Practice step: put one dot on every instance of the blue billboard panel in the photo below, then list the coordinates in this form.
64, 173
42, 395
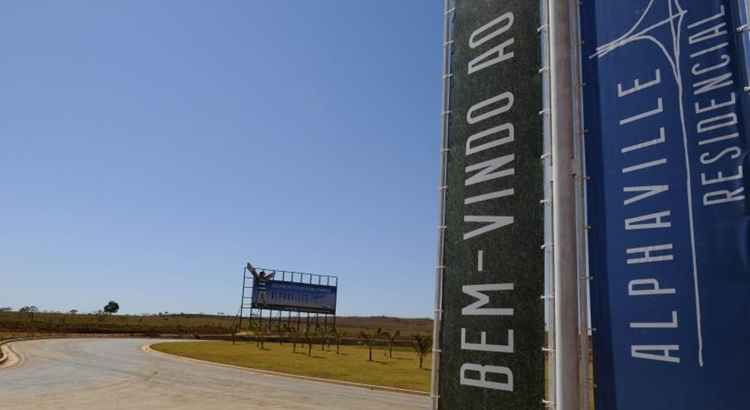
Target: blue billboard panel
302, 297
665, 107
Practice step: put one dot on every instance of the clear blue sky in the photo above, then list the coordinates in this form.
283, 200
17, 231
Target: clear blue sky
148, 149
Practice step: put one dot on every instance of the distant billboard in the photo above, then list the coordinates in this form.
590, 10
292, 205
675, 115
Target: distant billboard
294, 296
666, 113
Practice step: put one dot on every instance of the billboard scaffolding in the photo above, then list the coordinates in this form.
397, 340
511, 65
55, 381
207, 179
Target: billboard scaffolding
281, 300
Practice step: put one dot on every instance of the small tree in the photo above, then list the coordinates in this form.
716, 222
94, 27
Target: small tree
260, 337
111, 307
309, 339
281, 332
73, 311
422, 347
369, 339
325, 338
295, 337
338, 337
31, 309
391, 340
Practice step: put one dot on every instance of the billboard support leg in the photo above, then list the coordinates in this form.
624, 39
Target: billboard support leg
238, 326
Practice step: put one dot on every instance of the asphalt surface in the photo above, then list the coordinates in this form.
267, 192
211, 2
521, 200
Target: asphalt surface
103, 374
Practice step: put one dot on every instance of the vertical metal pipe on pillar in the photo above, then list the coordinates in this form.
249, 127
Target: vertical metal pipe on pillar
581, 223
565, 252
546, 159
440, 262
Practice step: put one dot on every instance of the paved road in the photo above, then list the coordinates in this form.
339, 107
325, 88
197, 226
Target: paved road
104, 374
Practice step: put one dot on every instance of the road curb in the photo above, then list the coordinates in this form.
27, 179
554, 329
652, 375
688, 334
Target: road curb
147, 348
4, 355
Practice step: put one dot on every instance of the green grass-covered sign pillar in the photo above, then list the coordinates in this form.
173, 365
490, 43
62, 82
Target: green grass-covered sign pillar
489, 330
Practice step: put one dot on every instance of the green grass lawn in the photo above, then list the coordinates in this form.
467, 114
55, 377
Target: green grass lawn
351, 365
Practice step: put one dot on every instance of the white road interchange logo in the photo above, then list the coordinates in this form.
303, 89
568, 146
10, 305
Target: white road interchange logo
671, 22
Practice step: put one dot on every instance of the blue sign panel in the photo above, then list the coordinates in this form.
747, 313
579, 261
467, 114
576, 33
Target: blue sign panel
303, 297
665, 109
